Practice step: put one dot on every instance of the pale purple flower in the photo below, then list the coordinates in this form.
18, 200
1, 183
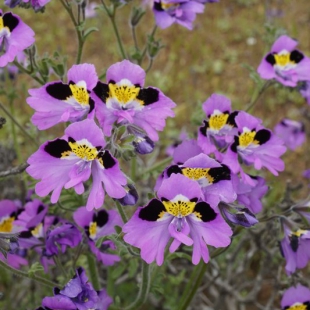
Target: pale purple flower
219, 127
68, 162
15, 36
304, 90
37, 4
296, 298
254, 145
123, 100
99, 224
183, 12
285, 63
291, 132
295, 248
250, 195
131, 197
180, 214
58, 102
78, 294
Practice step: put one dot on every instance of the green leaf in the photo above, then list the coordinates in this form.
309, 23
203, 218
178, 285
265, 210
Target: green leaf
36, 267
89, 31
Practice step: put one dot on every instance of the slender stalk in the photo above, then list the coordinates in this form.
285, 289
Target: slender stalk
121, 211
257, 94
192, 285
93, 271
134, 36
13, 128
30, 73
14, 170
79, 32
112, 18
145, 48
18, 125
26, 275
144, 288
150, 65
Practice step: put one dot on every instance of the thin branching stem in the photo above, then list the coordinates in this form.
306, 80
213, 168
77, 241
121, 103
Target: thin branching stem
28, 72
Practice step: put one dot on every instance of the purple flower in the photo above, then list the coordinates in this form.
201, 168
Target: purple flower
63, 236
131, 197
96, 225
219, 128
239, 216
254, 145
57, 102
78, 294
177, 213
295, 248
296, 298
142, 143
71, 160
213, 178
182, 137
304, 90
37, 4
285, 63
182, 12
250, 195
123, 100
15, 36
291, 132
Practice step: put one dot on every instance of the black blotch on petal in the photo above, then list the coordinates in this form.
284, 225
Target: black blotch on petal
206, 212
203, 129
25, 234
102, 90
233, 147
231, 118
294, 243
91, 104
41, 208
108, 160
194, 199
10, 21
173, 169
307, 304
59, 91
219, 173
56, 291
270, 59
262, 136
157, 6
152, 210
57, 147
148, 95
101, 218
296, 56
70, 139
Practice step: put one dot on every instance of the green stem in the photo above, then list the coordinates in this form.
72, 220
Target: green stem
30, 73
26, 275
192, 286
16, 145
144, 288
157, 166
93, 271
150, 65
121, 211
79, 32
145, 48
18, 125
257, 94
111, 15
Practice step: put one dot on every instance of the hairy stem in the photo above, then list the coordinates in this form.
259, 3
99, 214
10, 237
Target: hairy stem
93, 271
30, 73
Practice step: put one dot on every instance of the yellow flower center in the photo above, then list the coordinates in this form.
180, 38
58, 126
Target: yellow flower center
37, 231
6, 225
218, 121
283, 59
82, 150
179, 208
247, 138
197, 173
298, 306
124, 93
92, 229
298, 232
80, 94
167, 6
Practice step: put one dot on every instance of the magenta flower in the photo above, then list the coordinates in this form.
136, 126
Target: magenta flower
291, 132
255, 145
15, 36
295, 248
296, 298
219, 128
57, 102
177, 213
71, 160
182, 12
96, 225
213, 178
285, 63
123, 100
78, 294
